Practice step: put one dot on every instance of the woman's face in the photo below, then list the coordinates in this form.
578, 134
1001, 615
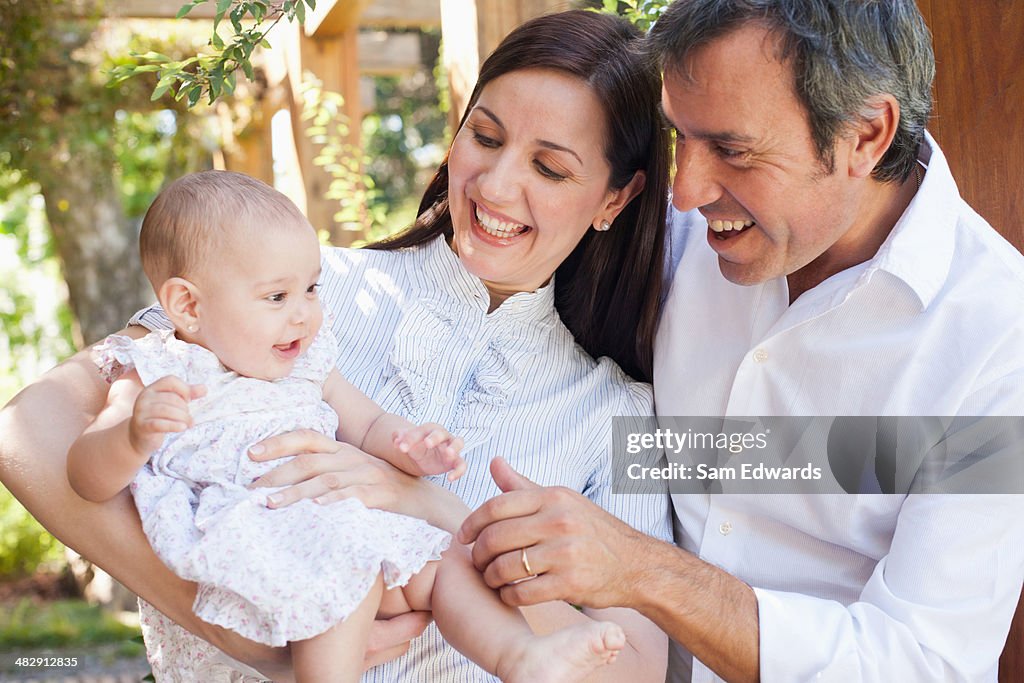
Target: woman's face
527, 178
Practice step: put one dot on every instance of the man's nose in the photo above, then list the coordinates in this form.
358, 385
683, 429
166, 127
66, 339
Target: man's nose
695, 183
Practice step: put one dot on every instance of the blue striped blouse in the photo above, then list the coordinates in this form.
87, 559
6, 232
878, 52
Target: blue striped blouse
416, 337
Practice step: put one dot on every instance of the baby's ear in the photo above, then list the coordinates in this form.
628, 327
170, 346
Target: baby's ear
180, 300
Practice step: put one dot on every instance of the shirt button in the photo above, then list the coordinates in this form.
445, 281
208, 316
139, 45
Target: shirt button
725, 528
760, 356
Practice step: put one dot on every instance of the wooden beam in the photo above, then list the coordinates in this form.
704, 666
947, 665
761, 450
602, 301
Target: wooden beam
377, 13
333, 18
395, 13
157, 9
388, 54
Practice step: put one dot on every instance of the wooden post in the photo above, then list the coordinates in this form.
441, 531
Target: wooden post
978, 86
332, 58
471, 29
978, 81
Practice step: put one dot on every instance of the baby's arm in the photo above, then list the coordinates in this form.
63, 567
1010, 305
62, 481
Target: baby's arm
418, 450
133, 423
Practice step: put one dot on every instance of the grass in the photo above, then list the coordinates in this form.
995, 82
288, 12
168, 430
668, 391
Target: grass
30, 623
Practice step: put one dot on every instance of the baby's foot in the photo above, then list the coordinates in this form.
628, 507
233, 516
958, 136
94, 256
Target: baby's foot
566, 655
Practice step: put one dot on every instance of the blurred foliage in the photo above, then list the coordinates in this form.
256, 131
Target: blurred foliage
24, 545
212, 73
29, 623
404, 138
642, 13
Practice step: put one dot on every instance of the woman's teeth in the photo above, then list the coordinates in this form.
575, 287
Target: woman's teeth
498, 228
724, 226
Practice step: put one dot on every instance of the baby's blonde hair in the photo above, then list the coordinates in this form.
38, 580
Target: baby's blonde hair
200, 214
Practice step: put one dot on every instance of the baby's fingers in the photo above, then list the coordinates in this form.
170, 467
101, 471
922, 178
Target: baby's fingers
172, 385
158, 425
417, 439
460, 465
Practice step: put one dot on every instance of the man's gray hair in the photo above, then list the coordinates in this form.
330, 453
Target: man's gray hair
843, 52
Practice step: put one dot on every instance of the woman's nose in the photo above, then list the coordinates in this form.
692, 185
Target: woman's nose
499, 183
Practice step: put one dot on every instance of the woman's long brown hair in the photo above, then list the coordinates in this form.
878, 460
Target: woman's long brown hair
608, 291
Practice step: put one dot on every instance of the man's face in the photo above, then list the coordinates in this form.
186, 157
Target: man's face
746, 160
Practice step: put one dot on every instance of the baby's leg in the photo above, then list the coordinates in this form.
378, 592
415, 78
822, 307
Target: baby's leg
337, 654
473, 619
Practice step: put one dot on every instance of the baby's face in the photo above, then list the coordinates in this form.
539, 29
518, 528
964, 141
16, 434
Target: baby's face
258, 309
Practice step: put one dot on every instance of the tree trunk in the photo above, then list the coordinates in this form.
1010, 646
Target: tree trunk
97, 245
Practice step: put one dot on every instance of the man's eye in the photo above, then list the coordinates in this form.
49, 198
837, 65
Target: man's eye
729, 153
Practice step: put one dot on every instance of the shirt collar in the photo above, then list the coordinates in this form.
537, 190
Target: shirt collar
919, 250
444, 272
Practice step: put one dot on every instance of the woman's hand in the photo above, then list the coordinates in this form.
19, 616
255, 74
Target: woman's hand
327, 471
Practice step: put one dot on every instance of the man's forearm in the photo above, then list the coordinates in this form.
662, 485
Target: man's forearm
712, 613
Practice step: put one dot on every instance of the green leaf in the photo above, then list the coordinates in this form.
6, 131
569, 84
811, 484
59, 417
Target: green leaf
311, 3
185, 9
217, 41
300, 11
194, 94
160, 90
247, 68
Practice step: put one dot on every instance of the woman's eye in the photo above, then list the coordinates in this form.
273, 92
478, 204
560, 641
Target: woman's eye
485, 141
547, 172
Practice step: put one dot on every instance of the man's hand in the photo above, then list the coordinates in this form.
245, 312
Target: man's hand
578, 552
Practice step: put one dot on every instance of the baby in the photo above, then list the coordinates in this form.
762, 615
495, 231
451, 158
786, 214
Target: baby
235, 267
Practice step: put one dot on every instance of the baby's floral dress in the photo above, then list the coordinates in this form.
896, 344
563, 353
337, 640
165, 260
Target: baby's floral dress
271, 575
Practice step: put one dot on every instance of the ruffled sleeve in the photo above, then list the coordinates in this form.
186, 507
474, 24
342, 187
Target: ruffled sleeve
113, 357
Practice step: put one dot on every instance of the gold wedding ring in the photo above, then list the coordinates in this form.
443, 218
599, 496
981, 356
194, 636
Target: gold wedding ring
526, 564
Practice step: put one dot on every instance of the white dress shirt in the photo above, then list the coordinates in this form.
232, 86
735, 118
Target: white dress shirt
869, 587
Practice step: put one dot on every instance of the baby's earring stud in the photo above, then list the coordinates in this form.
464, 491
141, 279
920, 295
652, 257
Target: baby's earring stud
193, 328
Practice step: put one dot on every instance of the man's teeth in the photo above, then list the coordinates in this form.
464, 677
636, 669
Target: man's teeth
493, 226
724, 226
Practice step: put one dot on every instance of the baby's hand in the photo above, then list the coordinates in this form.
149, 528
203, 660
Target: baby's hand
161, 408
433, 449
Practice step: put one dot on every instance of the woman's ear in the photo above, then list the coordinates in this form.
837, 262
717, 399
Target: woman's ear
180, 301
618, 199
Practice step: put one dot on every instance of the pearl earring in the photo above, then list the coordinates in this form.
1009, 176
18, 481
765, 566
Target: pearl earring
605, 226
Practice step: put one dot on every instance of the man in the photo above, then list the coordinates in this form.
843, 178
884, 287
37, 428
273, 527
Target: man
824, 265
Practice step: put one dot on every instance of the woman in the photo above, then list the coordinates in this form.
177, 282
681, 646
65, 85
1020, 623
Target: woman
557, 172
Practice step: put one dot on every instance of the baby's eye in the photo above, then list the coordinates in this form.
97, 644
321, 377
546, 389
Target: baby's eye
313, 288
277, 298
